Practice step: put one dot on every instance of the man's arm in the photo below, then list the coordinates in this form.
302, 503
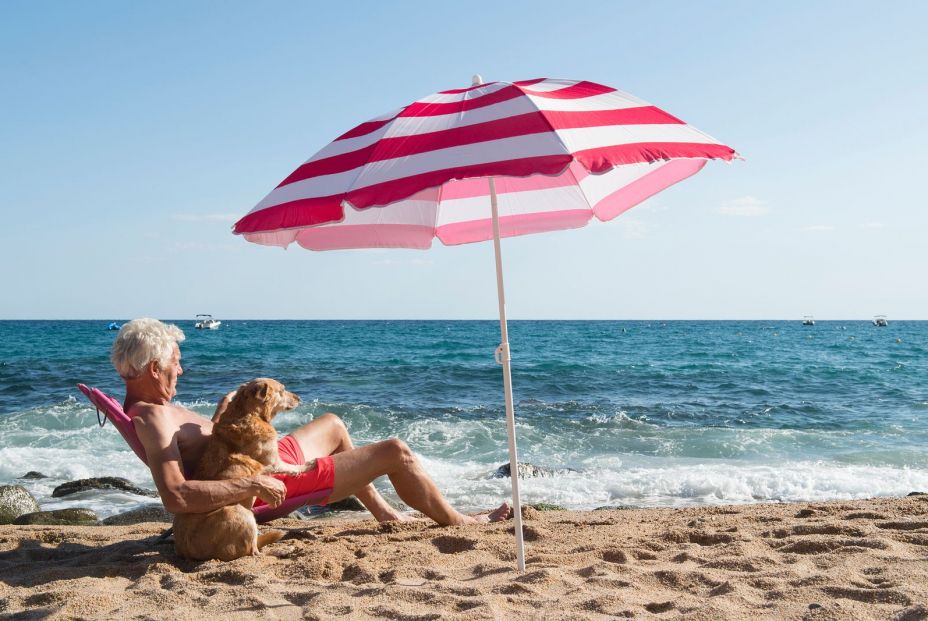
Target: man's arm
223, 405
179, 495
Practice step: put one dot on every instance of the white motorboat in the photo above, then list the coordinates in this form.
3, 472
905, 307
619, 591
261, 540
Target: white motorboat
808, 320
880, 321
207, 323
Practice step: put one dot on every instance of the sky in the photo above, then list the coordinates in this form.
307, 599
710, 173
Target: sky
134, 134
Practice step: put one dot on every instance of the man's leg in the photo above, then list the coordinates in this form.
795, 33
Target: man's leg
327, 435
356, 468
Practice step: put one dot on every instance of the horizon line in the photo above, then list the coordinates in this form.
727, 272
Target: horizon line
496, 319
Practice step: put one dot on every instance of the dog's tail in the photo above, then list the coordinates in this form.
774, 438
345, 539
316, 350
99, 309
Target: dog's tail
269, 537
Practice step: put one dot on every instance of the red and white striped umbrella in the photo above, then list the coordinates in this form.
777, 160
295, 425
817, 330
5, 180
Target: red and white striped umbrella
561, 151
490, 161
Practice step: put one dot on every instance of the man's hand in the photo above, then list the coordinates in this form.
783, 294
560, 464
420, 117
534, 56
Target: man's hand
270, 490
223, 404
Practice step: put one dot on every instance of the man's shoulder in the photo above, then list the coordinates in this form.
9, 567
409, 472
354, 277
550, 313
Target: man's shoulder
145, 413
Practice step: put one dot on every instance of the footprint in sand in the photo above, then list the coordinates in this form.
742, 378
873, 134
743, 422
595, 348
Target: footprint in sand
745, 565
454, 545
514, 588
644, 555
902, 525
391, 613
868, 596
823, 547
659, 607
356, 574
615, 556
468, 604
864, 515
709, 539
227, 576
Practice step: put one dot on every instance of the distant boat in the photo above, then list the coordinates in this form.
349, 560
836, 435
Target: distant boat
808, 320
207, 323
113, 326
880, 321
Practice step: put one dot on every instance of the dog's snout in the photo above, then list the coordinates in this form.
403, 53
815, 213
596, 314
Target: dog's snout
288, 400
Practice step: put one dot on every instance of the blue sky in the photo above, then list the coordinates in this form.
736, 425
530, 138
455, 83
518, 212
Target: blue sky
134, 134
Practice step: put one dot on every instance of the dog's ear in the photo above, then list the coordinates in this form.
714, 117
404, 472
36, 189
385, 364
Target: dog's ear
261, 391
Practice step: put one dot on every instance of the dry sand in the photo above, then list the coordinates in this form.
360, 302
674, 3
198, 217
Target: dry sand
842, 560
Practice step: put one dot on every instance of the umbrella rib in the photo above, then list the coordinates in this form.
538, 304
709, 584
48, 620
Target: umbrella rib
547, 122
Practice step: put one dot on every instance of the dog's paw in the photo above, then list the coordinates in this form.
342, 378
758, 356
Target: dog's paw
285, 468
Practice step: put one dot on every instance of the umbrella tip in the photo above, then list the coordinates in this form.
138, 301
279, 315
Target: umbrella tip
476, 80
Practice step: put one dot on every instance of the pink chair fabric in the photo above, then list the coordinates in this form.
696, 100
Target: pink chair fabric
123, 424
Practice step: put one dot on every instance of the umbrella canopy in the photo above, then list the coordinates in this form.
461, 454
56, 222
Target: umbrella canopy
490, 161
562, 152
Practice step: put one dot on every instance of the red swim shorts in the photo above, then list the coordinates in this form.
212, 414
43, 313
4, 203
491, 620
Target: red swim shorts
319, 478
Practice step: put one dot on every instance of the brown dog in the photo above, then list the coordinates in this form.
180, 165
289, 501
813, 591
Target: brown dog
243, 444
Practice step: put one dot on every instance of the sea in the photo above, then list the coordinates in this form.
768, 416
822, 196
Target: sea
623, 413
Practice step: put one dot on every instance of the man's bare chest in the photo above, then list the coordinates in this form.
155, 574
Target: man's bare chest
193, 431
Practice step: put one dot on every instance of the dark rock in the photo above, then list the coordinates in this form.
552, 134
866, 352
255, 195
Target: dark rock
527, 471
615, 508
32, 474
805, 513
917, 494
61, 517
118, 483
348, 504
15, 500
148, 513
546, 506
814, 606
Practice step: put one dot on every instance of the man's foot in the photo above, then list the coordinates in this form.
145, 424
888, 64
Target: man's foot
500, 514
393, 516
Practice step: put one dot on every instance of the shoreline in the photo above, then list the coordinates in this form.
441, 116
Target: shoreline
860, 559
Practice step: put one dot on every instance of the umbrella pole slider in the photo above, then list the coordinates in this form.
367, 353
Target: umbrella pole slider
502, 353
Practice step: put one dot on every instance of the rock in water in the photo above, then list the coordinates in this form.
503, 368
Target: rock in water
148, 513
32, 474
527, 470
546, 506
15, 500
61, 517
118, 483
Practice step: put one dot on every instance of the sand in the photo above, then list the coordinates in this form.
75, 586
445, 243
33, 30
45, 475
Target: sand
843, 560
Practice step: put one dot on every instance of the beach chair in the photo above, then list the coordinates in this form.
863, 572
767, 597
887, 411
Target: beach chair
123, 424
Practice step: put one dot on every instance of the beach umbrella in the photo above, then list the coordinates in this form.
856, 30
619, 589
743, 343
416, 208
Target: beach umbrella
490, 161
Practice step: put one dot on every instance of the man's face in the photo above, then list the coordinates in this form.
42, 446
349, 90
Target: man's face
167, 376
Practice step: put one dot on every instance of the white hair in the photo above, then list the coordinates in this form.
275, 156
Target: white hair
139, 342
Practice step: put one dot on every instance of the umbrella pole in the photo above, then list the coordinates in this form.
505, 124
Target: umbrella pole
502, 357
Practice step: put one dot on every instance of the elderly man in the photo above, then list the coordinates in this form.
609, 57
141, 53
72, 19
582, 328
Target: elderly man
146, 355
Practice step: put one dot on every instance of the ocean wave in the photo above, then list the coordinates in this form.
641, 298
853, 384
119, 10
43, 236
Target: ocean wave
683, 483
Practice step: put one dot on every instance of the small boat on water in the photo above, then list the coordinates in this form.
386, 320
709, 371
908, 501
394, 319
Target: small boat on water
808, 320
207, 323
113, 326
880, 321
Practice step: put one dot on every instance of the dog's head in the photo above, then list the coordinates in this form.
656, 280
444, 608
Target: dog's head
263, 397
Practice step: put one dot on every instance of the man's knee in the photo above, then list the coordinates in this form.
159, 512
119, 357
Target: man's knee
399, 452
334, 421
